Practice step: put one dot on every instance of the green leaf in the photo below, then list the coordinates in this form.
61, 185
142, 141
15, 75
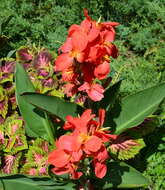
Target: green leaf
36, 120
23, 183
52, 104
35, 183
10, 54
110, 95
133, 109
121, 175
30, 132
1, 185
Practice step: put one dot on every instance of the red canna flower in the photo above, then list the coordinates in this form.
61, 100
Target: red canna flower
85, 56
86, 141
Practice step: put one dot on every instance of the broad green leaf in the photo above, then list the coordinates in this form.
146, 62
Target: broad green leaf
36, 120
35, 183
133, 109
121, 175
52, 104
22, 183
30, 132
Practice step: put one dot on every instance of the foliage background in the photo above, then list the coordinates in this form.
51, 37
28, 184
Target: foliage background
140, 39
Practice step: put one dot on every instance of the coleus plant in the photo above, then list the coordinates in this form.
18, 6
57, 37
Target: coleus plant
71, 130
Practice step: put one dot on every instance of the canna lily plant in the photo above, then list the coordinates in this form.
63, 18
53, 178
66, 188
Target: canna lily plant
63, 124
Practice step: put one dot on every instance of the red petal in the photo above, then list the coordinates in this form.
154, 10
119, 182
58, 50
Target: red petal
79, 41
100, 169
63, 61
73, 172
96, 53
60, 171
84, 87
76, 156
112, 50
87, 115
93, 144
85, 26
93, 35
102, 70
102, 154
96, 92
67, 46
69, 124
76, 175
73, 29
70, 90
104, 136
79, 124
69, 143
101, 116
58, 158
109, 36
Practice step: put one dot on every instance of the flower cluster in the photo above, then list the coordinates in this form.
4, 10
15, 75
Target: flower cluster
87, 141
85, 57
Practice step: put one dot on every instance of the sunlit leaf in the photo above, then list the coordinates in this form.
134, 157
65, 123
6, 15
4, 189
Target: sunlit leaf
133, 109
52, 104
35, 183
36, 120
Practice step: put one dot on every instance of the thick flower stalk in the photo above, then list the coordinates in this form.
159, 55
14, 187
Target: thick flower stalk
87, 141
85, 57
